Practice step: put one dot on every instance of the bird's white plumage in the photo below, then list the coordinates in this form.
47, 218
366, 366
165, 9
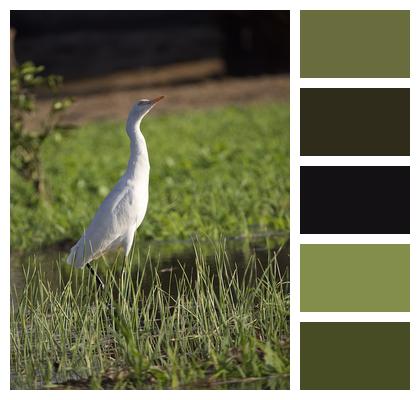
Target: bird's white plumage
123, 210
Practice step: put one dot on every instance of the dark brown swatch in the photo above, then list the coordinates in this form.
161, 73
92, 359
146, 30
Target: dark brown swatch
355, 355
355, 122
355, 200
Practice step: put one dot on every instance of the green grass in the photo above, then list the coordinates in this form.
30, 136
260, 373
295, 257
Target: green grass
223, 171
224, 327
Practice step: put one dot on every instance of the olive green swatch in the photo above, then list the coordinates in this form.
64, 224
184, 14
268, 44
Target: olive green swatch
355, 355
355, 122
355, 44
354, 277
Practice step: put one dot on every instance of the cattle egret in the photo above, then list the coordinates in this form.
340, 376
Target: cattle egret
123, 210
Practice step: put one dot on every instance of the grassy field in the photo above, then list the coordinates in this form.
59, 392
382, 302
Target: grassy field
215, 174
222, 328
223, 171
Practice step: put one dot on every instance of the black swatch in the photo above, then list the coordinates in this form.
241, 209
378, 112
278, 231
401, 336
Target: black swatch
355, 200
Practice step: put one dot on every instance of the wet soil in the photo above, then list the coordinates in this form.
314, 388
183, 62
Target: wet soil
187, 86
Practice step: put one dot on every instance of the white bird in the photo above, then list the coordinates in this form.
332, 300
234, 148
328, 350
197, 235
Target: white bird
123, 210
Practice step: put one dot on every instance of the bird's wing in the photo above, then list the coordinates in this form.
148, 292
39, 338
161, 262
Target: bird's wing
114, 216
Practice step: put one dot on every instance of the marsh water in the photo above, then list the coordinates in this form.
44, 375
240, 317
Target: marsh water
169, 257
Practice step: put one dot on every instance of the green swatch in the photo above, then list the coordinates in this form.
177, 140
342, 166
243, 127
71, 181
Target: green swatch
355, 355
355, 44
355, 277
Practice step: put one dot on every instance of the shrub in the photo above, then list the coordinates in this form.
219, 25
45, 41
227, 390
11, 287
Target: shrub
25, 144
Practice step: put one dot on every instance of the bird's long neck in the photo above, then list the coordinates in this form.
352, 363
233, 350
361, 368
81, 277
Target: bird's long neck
138, 164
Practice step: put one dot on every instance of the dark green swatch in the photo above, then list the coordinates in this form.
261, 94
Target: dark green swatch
355, 122
355, 277
355, 355
355, 44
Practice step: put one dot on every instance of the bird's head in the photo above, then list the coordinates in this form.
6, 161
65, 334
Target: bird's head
140, 109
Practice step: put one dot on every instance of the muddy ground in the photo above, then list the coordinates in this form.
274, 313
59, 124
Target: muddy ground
187, 86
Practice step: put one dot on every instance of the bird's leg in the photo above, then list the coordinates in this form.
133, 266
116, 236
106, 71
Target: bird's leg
124, 273
98, 279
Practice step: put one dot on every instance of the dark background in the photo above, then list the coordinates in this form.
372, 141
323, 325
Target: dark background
82, 44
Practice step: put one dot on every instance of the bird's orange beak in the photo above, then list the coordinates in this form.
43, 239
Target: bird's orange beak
154, 101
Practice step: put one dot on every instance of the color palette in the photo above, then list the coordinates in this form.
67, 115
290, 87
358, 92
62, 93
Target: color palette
356, 200
355, 122
355, 277
355, 44
355, 355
